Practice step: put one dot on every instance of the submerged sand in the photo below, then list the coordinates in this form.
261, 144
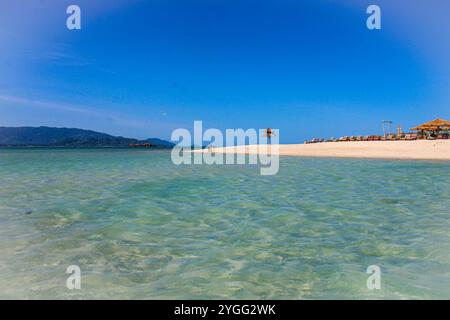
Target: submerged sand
414, 150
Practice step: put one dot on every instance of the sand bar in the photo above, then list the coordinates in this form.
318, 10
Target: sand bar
417, 149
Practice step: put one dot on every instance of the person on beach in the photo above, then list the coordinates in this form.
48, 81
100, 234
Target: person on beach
269, 133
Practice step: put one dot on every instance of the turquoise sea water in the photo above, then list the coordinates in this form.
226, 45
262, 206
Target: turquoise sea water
140, 227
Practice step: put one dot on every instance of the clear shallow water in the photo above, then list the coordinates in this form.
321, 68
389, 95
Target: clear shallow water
140, 227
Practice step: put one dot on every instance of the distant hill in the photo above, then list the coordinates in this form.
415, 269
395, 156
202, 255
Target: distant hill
69, 137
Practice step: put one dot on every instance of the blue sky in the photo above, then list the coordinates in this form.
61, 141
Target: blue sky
143, 68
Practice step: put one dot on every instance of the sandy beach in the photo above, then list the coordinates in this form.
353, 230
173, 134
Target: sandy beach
414, 150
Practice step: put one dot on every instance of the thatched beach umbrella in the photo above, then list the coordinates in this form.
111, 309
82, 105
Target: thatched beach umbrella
435, 126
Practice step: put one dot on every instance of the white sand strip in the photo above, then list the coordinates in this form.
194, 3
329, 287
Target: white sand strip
418, 149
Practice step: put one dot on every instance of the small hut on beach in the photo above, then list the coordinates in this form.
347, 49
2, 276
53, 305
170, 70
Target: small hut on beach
434, 128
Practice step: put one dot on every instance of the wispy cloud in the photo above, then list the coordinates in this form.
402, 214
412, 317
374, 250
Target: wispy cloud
143, 125
63, 58
84, 110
